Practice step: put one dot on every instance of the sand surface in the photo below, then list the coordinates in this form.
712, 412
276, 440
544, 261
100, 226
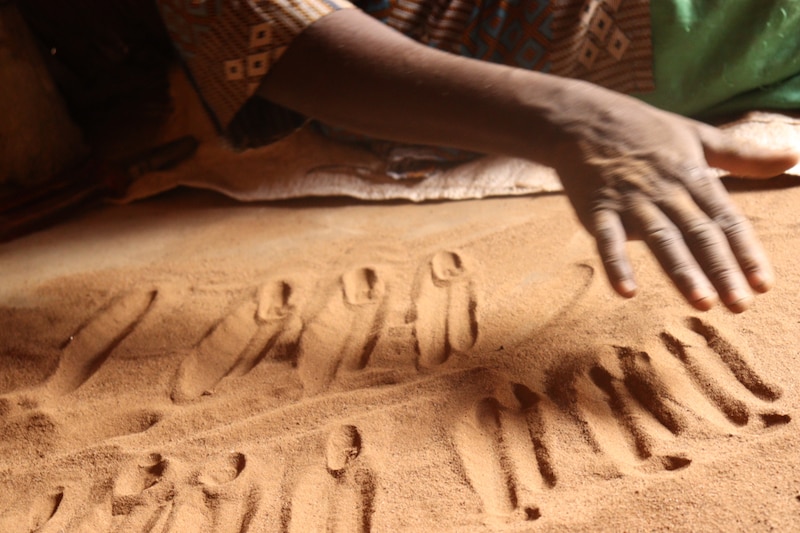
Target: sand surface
187, 364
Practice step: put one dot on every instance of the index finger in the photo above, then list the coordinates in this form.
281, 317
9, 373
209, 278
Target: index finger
610, 235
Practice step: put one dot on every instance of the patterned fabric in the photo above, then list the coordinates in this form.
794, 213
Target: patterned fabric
438, 23
229, 45
607, 42
511, 32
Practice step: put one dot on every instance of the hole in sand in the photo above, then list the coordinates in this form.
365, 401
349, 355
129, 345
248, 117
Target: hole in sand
224, 470
775, 419
532, 513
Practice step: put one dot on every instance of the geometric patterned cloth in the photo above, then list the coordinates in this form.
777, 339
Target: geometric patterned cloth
607, 42
511, 32
229, 45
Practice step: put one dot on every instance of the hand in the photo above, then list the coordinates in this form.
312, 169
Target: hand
642, 173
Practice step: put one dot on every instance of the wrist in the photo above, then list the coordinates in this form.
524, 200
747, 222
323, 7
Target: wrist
552, 114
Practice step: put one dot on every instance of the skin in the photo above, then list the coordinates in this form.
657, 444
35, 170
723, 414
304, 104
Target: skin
630, 170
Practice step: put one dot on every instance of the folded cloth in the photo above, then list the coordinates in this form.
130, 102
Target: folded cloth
307, 164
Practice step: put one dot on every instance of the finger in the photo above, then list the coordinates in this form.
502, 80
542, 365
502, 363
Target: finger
611, 237
666, 242
710, 247
710, 195
742, 158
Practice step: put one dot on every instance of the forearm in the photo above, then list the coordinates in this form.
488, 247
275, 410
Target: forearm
351, 71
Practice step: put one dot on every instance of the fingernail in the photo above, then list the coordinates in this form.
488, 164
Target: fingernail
739, 301
627, 287
759, 281
703, 298
704, 303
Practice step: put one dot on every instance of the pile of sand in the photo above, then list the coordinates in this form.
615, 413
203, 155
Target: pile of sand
187, 364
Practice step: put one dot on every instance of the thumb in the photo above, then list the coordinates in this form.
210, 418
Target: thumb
743, 158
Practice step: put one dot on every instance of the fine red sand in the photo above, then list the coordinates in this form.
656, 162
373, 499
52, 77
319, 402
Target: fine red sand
188, 364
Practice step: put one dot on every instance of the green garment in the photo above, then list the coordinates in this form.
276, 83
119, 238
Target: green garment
725, 56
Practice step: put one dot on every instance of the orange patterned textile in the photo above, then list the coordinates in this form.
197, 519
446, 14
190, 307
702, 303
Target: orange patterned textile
229, 45
607, 42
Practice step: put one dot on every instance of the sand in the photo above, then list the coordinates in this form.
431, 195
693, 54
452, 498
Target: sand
190, 364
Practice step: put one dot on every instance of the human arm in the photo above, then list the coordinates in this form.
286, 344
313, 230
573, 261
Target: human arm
630, 170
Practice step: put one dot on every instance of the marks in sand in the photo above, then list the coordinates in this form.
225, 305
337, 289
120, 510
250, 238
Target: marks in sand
343, 335
267, 326
633, 411
40, 513
444, 309
339, 333
691, 383
498, 447
93, 342
735, 360
142, 497
230, 492
156, 494
338, 496
29, 415
227, 492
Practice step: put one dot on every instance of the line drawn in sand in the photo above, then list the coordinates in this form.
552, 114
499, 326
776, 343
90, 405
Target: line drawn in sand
345, 332
255, 330
40, 515
735, 360
84, 353
678, 386
336, 497
444, 309
628, 406
498, 448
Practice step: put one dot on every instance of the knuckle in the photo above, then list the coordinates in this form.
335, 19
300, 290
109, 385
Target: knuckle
606, 236
617, 269
750, 261
722, 273
703, 232
733, 224
684, 276
661, 237
614, 262
606, 200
